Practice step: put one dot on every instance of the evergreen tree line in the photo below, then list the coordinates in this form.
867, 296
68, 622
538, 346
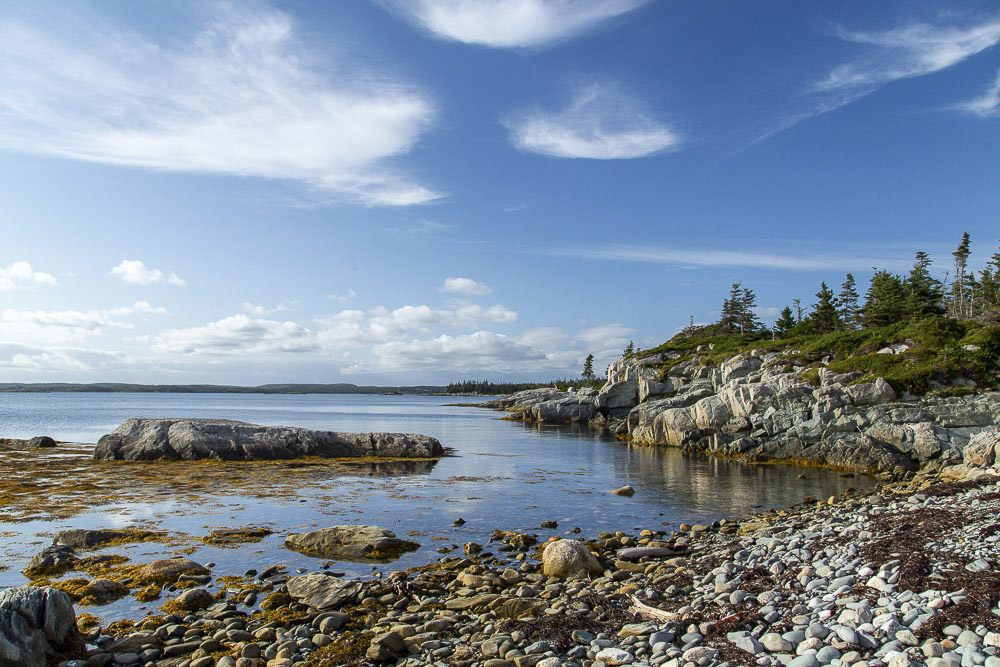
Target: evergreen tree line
890, 298
487, 387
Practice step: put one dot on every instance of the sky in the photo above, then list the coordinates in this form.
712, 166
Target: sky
425, 191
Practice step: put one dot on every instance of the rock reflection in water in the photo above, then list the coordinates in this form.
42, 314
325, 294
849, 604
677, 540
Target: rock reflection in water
389, 468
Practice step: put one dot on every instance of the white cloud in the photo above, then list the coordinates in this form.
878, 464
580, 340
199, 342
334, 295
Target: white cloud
711, 257
477, 352
30, 359
20, 275
510, 23
600, 124
241, 97
62, 326
344, 297
262, 311
349, 328
134, 272
900, 53
987, 104
237, 335
465, 286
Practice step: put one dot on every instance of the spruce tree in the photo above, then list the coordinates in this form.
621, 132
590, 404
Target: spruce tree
785, 322
884, 302
731, 309
629, 349
989, 282
588, 368
923, 291
848, 298
824, 317
959, 287
748, 321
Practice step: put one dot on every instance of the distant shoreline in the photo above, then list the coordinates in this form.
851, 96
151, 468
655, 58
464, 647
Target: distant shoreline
115, 387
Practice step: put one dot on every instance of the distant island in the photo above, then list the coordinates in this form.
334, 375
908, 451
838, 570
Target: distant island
115, 387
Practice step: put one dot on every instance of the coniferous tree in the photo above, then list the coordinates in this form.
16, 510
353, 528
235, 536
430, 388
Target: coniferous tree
824, 317
749, 323
785, 322
989, 284
798, 309
884, 302
731, 309
629, 349
923, 291
588, 368
850, 311
960, 306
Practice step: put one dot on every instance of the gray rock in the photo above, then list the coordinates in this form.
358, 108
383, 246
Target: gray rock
56, 557
321, 590
191, 439
35, 625
566, 558
42, 441
355, 543
80, 538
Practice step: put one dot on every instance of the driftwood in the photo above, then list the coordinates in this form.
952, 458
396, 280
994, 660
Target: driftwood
652, 613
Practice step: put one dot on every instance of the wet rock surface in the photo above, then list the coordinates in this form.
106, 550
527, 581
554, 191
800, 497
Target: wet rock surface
905, 577
192, 439
354, 543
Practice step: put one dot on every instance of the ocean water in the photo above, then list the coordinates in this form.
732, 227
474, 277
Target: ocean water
499, 475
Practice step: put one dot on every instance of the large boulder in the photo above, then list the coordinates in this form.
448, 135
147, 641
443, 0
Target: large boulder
191, 439
79, 538
568, 558
322, 590
566, 409
353, 543
36, 625
42, 441
50, 560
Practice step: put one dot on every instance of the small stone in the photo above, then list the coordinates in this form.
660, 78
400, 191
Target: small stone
615, 656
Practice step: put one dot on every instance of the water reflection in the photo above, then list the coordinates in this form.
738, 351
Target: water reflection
389, 468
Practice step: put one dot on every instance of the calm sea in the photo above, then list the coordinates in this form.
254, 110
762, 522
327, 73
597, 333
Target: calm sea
502, 474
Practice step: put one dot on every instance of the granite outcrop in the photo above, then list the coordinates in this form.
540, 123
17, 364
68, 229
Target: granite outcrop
761, 406
192, 439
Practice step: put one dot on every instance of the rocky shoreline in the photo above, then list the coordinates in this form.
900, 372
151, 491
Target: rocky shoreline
905, 576
766, 407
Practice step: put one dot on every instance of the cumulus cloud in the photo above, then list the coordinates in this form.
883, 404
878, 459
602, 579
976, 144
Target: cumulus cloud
20, 275
481, 351
987, 104
134, 272
61, 326
241, 96
237, 335
466, 286
599, 123
510, 24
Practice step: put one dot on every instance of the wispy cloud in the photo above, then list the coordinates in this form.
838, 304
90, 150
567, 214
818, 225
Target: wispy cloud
31, 358
510, 24
237, 335
20, 275
350, 294
987, 104
713, 257
600, 123
240, 97
466, 286
135, 272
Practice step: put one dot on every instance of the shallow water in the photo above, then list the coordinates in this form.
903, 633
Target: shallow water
502, 474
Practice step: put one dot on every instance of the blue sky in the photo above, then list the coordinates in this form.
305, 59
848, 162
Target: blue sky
420, 191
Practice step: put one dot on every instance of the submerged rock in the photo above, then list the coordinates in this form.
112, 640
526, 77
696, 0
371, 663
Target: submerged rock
191, 439
351, 543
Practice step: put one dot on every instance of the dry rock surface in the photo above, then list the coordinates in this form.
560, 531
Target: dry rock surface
758, 406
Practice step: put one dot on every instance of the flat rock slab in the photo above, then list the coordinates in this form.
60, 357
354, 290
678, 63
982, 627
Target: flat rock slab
635, 553
82, 537
353, 543
192, 439
322, 590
